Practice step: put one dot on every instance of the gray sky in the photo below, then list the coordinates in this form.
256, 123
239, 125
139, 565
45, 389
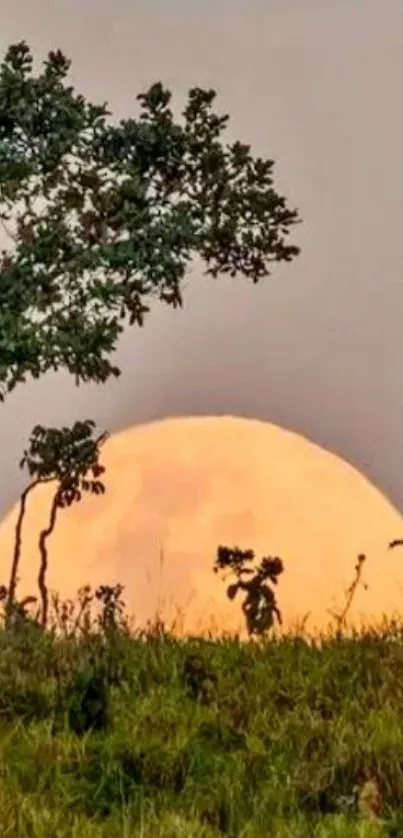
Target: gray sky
316, 86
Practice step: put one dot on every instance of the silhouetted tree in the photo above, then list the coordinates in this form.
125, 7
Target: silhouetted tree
259, 606
103, 219
69, 457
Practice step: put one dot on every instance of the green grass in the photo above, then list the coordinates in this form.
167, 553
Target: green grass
148, 736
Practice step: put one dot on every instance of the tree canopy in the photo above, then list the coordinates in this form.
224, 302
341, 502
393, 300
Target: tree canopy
102, 217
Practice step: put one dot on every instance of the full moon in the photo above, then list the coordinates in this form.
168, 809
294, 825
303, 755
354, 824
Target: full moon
178, 488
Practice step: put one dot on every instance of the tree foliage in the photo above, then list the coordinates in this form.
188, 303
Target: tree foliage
102, 219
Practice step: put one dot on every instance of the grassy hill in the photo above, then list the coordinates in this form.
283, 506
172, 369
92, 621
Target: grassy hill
104, 732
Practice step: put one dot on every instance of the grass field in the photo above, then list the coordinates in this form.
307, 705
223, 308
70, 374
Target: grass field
104, 732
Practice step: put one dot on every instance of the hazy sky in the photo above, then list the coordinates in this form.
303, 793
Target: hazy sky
318, 346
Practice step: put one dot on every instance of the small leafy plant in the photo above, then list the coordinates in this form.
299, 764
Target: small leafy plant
260, 605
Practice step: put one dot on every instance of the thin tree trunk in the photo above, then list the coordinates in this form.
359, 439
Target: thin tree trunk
44, 535
12, 585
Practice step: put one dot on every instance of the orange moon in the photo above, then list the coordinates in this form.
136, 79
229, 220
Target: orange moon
176, 489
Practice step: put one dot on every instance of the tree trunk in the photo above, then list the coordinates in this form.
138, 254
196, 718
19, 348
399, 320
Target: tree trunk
12, 585
44, 535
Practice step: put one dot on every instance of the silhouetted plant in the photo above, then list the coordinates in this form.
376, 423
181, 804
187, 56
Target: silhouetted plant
18, 613
113, 627
341, 618
85, 689
70, 457
259, 606
113, 607
71, 617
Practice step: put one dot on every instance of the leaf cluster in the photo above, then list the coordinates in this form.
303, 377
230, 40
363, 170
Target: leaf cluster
103, 219
68, 455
